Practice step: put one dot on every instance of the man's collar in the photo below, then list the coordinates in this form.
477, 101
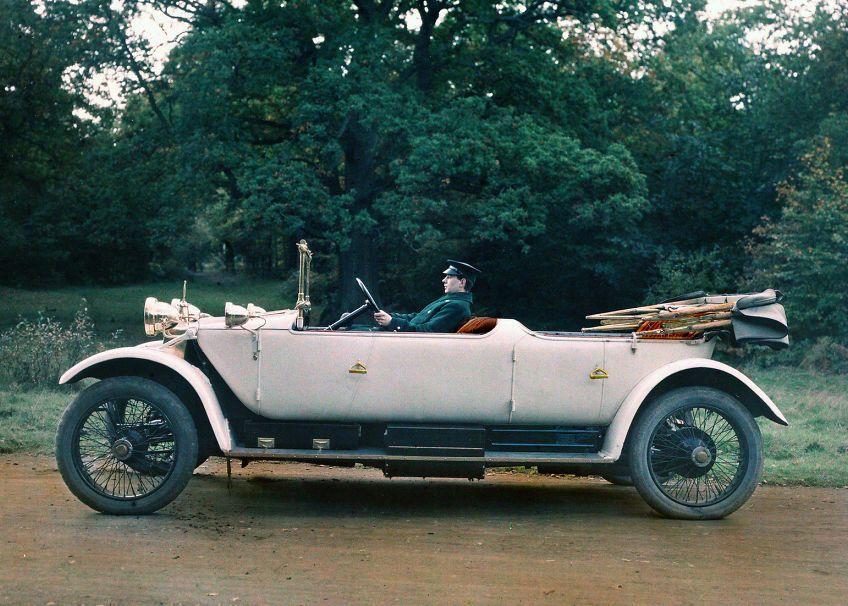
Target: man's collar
458, 296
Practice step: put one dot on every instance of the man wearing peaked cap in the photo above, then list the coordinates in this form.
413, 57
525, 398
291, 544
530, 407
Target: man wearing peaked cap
445, 314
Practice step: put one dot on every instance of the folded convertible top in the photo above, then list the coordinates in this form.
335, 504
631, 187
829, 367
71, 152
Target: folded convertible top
759, 319
749, 318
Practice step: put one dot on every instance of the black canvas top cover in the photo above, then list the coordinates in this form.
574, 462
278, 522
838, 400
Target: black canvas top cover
759, 319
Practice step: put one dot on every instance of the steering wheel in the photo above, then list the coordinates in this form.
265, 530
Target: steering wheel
370, 303
368, 297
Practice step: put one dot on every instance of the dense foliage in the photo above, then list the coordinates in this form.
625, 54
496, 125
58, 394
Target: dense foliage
585, 154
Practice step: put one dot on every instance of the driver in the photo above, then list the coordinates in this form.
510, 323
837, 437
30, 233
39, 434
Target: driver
445, 314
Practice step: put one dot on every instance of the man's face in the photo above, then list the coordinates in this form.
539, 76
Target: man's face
453, 284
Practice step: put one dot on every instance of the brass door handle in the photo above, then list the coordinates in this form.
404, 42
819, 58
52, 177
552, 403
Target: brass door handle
598, 373
358, 369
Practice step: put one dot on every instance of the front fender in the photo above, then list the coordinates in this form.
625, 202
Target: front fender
691, 371
155, 353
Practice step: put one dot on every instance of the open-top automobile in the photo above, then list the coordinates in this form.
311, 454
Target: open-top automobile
651, 409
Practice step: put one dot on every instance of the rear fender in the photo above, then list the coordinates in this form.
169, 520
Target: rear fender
140, 361
683, 373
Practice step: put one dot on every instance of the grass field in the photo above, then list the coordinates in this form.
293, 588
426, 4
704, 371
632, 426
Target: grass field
812, 451
28, 419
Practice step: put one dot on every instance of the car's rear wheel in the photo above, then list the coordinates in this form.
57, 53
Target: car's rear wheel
126, 445
696, 453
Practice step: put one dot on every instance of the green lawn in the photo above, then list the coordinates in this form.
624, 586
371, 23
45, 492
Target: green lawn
116, 308
28, 419
812, 451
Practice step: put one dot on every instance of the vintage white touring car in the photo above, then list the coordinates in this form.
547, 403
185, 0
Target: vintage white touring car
266, 385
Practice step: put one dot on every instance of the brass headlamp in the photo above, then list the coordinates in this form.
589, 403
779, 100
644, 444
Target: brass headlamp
159, 316
236, 315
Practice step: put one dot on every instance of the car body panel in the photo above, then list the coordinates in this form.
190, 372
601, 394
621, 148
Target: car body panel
510, 375
617, 432
437, 378
161, 354
627, 363
305, 373
231, 352
552, 384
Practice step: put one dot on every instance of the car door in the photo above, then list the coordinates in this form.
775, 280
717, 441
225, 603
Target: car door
312, 375
438, 377
553, 380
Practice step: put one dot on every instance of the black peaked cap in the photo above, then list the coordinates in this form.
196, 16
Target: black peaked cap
462, 269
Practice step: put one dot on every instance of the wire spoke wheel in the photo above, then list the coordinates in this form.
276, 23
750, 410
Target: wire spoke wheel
126, 446
697, 456
125, 449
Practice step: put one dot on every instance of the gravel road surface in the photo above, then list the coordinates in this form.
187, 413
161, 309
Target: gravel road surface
304, 534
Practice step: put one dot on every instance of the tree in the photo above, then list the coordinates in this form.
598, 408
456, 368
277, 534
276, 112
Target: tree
805, 251
311, 119
39, 142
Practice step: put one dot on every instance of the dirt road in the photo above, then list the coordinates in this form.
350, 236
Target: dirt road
301, 534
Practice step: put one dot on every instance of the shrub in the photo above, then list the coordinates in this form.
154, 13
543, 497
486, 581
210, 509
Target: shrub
37, 352
681, 272
826, 356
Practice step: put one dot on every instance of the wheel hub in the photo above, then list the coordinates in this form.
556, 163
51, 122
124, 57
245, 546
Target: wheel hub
698, 456
701, 456
122, 449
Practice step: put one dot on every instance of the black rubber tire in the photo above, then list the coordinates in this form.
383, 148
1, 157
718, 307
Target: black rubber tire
741, 423
125, 388
619, 479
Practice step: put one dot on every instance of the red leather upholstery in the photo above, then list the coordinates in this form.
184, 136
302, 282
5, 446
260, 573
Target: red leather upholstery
478, 326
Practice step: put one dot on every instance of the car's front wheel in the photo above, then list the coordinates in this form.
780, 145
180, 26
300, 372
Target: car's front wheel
696, 453
126, 445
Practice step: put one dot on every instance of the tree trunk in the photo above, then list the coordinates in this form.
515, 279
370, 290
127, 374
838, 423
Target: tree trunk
229, 258
421, 59
358, 261
360, 258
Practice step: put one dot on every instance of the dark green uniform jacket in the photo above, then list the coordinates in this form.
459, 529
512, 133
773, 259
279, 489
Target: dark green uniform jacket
445, 314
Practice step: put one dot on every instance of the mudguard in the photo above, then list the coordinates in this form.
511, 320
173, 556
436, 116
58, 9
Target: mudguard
157, 353
620, 426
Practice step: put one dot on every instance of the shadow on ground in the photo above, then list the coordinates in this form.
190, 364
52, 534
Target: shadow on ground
518, 495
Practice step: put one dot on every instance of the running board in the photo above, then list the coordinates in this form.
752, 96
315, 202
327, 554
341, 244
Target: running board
376, 454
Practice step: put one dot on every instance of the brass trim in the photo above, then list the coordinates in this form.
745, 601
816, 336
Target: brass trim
358, 369
303, 304
598, 373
